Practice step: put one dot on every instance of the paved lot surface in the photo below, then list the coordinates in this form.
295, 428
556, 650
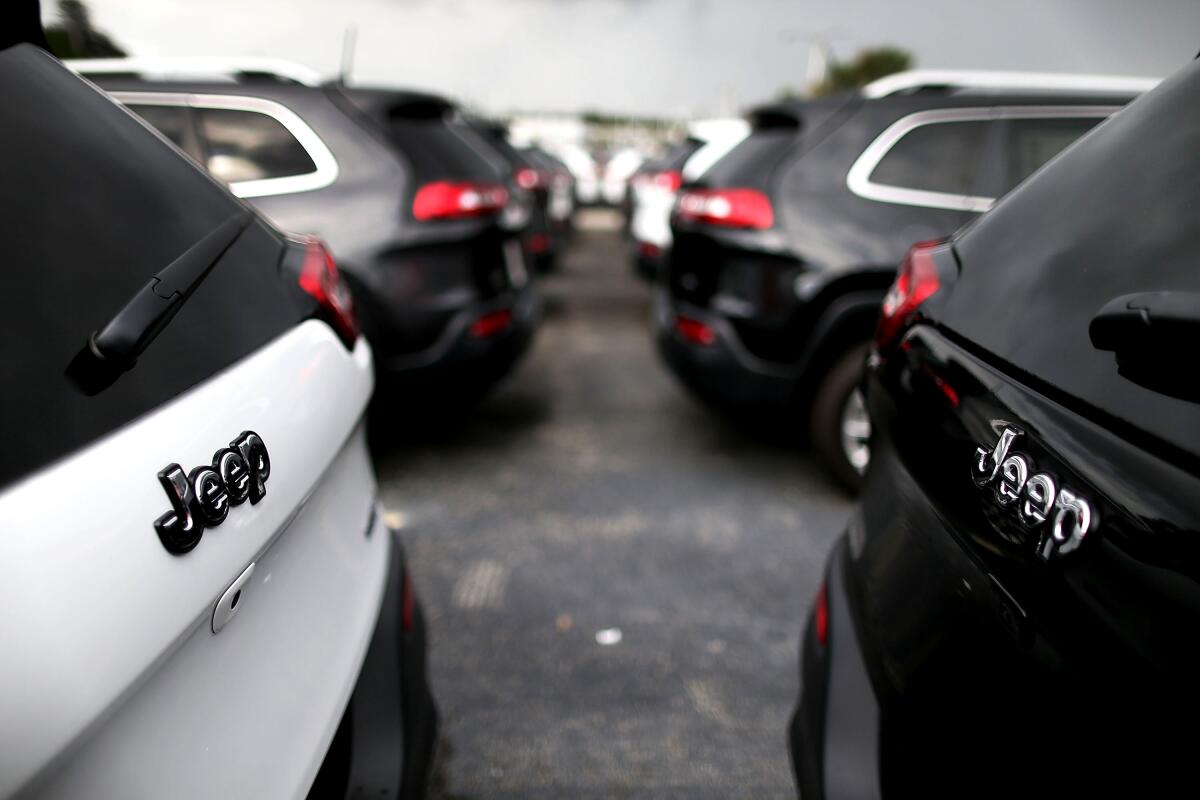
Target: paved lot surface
615, 580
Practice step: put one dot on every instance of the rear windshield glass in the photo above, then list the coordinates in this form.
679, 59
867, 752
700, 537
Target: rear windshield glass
441, 150
753, 161
109, 204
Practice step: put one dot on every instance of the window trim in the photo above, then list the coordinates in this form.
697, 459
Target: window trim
326, 171
858, 179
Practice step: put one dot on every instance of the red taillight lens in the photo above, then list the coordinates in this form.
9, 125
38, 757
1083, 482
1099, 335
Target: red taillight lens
734, 208
670, 180
538, 243
695, 331
319, 277
915, 283
491, 323
446, 200
529, 178
407, 604
821, 616
650, 250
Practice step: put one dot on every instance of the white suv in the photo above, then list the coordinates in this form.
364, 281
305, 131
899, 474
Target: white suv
198, 594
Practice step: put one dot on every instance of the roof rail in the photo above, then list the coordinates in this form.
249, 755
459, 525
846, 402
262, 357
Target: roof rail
917, 79
197, 68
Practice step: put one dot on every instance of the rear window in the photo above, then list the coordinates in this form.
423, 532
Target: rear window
1115, 215
249, 146
105, 205
753, 161
440, 149
1033, 142
940, 157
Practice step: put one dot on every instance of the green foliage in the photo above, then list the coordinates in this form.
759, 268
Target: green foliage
867, 66
74, 37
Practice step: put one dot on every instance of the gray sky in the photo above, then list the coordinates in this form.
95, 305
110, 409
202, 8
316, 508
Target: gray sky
669, 57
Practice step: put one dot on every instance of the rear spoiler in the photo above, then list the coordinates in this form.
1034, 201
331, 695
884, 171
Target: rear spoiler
776, 116
386, 104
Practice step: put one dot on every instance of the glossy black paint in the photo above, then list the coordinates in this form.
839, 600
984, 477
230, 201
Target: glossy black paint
411, 280
784, 291
997, 671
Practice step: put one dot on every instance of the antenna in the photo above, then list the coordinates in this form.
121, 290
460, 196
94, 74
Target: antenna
348, 41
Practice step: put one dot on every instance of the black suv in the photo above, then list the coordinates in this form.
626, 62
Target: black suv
784, 248
411, 200
1012, 608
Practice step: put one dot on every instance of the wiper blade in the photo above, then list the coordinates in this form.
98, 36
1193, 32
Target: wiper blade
114, 348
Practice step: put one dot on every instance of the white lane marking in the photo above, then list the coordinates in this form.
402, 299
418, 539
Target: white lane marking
481, 586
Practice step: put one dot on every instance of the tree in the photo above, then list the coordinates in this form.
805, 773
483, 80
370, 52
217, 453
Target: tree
867, 66
74, 37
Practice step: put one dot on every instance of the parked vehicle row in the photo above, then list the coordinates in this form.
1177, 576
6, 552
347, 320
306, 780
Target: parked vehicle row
203, 264
423, 210
784, 248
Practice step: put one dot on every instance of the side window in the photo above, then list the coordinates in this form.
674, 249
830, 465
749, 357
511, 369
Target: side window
937, 157
249, 146
1033, 142
171, 121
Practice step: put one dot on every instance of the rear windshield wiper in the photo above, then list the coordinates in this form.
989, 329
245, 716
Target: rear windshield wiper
115, 347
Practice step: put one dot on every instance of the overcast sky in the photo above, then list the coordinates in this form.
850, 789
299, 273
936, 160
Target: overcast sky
668, 57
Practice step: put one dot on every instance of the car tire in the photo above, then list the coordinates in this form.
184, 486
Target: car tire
839, 427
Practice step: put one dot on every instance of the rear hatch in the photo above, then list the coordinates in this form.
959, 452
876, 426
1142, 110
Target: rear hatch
740, 266
452, 255
114, 682
990, 626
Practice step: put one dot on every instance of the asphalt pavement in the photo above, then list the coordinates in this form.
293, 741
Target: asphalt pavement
615, 580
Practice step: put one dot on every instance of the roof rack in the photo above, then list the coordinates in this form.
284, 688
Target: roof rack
235, 69
915, 80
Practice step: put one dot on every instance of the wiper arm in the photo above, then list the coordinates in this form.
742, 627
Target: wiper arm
115, 348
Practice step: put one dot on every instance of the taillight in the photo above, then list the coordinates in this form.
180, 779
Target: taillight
821, 616
408, 604
734, 208
695, 331
915, 283
538, 243
491, 323
319, 277
447, 200
670, 180
529, 178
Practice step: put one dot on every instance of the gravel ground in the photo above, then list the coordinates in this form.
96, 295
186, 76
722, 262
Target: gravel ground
615, 580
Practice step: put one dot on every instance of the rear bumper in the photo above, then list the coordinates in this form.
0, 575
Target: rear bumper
834, 733
460, 361
385, 742
723, 374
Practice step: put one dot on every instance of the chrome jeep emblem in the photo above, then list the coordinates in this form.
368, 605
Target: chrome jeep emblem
1034, 497
202, 498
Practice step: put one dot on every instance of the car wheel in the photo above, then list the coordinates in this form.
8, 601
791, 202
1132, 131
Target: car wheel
841, 429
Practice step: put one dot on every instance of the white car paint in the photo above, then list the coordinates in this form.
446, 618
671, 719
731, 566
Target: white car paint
114, 684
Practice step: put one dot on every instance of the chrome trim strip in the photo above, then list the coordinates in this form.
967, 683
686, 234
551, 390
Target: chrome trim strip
985, 79
858, 179
201, 67
326, 171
